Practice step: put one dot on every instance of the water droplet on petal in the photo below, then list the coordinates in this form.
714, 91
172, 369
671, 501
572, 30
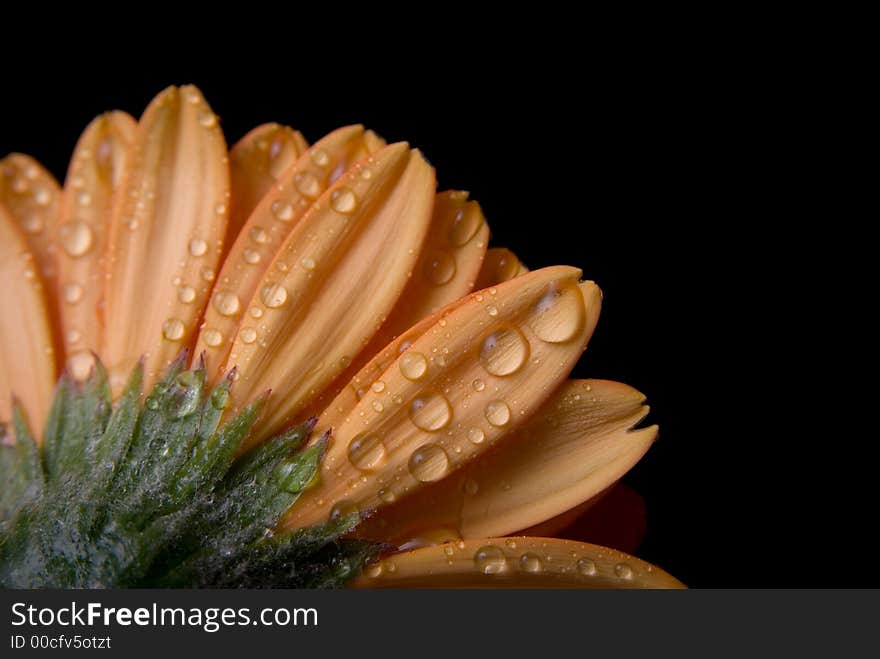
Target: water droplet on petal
273, 295
197, 247
248, 334
439, 267
478, 385
587, 567
307, 184
366, 451
465, 225
319, 157
173, 329
207, 119
504, 351
489, 559
212, 337
251, 256
342, 509
80, 363
386, 495
476, 436
282, 210
226, 303
413, 365
259, 235
559, 315
76, 237
186, 294
428, 463
73, 293
497, 413
308, 264
430, 411
530, 562
343, 201
623, 571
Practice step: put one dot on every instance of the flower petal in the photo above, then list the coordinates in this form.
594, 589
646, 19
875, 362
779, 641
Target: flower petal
473, 377
256, 162
445, 272
519, 562
166, 233
265, 232
93, 178
579, 444
335, 279
31, 195
27, 356
499, 265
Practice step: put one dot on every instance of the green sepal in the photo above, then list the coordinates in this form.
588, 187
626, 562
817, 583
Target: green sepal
150, 493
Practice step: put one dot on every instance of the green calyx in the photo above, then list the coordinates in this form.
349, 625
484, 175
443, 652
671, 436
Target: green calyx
150, 494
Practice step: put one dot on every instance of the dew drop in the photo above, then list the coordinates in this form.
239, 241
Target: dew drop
80, 364
73, 336
478, 385
366, 173
476, 436
226, 303
282, 210
497, 413
343, 201
212, 337
73, 293
430, 411
530, 562
251, 256
413, 365
428, 463
207, 119
492, 310
377, 406
587, 567
207, 274
42, 196
559, 315
319, 157
378, 386
465, 225
623, 571
386, 495
173, 329
307, 184
366, 451
504, 351
273, 295
84, 199
308, 264
259, 235
256, 312
489, 559
197, 247
342, 509
248, 334
76, 237
186, 294
32, 223
439, 267
373, 570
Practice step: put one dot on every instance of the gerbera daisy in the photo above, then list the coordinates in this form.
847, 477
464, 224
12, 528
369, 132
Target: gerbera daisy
420, 419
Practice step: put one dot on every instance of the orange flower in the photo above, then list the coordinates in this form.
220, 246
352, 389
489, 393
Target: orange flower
336, 276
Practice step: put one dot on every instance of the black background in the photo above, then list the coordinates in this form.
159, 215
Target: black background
667, 173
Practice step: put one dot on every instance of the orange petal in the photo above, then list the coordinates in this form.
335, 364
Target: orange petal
474, 376
166, 233
339, 273
27, 358
256, 162
264, 234
519, 562
445, 272
499, 265
32, 196
574, 448
94, 175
